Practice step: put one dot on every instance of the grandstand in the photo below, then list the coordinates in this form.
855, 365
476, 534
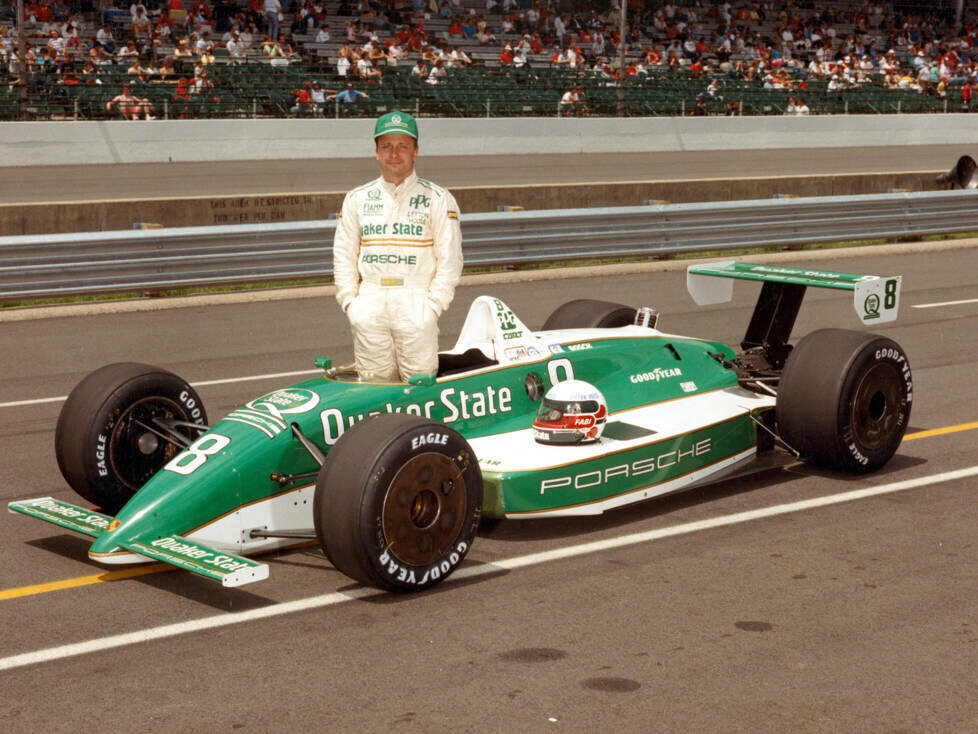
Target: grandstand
757, 79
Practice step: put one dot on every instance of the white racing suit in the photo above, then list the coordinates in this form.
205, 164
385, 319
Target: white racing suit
397, 257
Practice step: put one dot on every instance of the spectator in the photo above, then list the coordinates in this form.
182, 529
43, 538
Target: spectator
136, 8
458, 58
437, 72
373, 50
248, 36
395, 53
181, 99
56, 43
127, 51
302, 103
349, 96
72, 39
105, 39
90, 73
700, 109
573, 102
67, 71
163, 29
201, 84
520, 58
141, 24
366, 69
271, 48
486, 37
167, 69
236, 49
203, 43
273, 9
182, 51
285, 47
318, 96
507, 55
130, 106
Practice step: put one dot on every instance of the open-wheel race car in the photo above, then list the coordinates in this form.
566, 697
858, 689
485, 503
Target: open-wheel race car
596, 410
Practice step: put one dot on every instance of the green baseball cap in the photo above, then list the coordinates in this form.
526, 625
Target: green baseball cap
396, 123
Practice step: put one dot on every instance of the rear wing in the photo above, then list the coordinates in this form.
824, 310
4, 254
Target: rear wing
876, 299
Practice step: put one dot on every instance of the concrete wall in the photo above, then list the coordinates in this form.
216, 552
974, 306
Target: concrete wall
54, 143
96, 216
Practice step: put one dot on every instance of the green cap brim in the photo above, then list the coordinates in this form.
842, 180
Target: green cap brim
396, 123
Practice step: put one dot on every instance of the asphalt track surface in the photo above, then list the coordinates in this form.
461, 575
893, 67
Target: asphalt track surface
155, 180
810, 615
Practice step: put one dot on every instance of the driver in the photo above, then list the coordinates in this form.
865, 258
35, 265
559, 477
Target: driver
397, 257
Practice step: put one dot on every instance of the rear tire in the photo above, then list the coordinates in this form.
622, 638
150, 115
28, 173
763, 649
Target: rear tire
103, 449
586, 313
844, 399
398, 502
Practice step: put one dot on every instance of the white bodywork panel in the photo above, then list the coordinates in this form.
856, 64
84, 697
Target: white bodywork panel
517, 451
291, 510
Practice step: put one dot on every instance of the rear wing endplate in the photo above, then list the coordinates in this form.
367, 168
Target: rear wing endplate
876, 299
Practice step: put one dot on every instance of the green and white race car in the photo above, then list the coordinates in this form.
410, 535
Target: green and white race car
392, 479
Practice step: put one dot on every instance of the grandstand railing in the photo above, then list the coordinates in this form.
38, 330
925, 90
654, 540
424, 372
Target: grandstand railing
155, 260
262, 89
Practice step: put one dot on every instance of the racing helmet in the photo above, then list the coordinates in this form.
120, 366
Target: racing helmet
572, 411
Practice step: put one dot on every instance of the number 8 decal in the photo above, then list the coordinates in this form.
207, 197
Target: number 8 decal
191, 459
889, 294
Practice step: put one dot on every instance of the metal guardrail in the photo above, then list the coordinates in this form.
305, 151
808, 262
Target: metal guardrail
34, 266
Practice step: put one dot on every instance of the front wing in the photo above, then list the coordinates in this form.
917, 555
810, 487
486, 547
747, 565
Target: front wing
229, 569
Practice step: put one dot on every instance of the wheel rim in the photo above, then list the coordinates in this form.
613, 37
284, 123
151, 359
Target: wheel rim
876, 406
135, 452
424, 508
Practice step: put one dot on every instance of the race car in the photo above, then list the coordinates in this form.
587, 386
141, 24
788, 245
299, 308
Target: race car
596, 410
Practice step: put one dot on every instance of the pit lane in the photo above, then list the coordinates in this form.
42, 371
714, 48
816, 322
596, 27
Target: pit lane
852, 616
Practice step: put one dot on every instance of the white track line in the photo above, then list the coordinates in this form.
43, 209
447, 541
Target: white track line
945, 303
470, 571
222, 381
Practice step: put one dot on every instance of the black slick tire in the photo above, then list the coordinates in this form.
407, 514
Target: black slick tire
104, 450
586, 313
398, 502
844, 399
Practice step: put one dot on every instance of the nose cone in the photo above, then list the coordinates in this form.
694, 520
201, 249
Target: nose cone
175, 503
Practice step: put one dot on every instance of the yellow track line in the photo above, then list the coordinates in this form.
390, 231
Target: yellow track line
942, 431
126, 573
160, 567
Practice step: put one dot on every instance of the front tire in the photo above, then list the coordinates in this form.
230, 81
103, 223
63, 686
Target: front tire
398, 502
844, 399
103, 444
